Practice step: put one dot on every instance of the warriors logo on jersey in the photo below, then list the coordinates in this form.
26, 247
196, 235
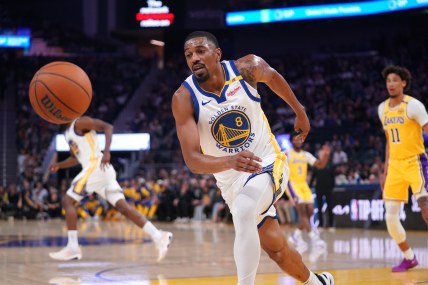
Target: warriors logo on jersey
232, 129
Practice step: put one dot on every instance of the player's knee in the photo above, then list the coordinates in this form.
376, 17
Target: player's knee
122, 206
66, 202
244, 207
393, 224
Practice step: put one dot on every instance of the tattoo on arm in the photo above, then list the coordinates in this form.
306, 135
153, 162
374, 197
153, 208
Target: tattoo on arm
247, 70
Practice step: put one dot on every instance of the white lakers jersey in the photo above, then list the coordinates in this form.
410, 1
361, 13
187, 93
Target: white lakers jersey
84, 147
232, 121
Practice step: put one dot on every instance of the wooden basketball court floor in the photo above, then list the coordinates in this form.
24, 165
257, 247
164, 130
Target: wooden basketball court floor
201, 254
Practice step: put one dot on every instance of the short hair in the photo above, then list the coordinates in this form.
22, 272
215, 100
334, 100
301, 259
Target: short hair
402, 72
202, 34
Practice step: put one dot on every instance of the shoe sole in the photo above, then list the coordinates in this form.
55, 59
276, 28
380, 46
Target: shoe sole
74, 257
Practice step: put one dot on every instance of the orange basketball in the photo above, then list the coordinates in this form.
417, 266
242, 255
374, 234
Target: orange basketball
60, 92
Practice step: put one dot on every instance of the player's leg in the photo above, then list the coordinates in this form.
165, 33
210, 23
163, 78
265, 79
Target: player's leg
245, 211
72, 250
417, 174
319, 199
313, 233
423, 204
398, 234
254, 199
288, 259
395, 192
295, 194
161, 239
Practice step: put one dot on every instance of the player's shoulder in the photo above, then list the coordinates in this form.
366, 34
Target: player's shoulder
247, 61
181, 92
411, 100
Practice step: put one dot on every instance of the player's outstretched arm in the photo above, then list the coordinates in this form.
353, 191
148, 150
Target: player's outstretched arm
187, 132
324, 156
255, 69
66, 163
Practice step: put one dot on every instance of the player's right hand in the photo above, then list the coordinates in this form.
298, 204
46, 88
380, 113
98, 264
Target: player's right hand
54, 167
302, 125
245, 161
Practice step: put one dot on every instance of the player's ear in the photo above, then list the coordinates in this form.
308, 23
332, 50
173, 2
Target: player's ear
218, 54
404, 84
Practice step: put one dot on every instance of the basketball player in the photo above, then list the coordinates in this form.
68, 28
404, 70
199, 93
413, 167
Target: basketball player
98, 176
403, 119
299, 192
223, 130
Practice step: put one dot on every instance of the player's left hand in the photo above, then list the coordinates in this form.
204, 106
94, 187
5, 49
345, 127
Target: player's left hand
105, 160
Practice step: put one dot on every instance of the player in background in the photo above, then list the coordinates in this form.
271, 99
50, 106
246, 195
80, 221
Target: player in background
98, 176
299, 192
403, 119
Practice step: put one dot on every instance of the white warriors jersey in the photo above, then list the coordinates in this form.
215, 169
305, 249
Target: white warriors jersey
231, 122
84, 147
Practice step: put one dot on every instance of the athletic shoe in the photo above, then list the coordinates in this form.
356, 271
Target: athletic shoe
162, 244
66, 254
325, 278
318, 243
405, 265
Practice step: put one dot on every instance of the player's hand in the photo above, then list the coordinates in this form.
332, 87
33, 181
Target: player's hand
54, 167
105, 160
302, 125
382, 179
245, 161
325, 150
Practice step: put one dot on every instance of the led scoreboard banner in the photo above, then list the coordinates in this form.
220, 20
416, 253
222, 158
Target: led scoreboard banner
156, 14
361, 206
15, 37
321, 11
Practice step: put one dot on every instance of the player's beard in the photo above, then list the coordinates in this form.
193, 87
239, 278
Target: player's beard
202, 78
297, 148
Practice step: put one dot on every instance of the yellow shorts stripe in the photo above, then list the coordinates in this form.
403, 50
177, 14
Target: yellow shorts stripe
82, 181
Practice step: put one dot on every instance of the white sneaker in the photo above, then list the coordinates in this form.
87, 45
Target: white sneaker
162, 244
300, 245
66, 254
318, 243
325, 278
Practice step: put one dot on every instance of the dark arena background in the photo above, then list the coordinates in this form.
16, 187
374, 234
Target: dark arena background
331, 53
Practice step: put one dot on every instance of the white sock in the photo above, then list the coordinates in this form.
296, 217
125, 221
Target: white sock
312, 280
73, 242
408, 254
152, 231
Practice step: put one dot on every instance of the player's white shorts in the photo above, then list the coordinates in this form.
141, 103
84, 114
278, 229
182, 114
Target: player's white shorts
274, 166
92, 179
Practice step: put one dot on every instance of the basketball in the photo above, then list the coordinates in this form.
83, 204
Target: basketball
60, 92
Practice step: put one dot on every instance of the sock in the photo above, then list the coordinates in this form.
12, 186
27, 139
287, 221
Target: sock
408, 254
152, 231
73, 242
312, 280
